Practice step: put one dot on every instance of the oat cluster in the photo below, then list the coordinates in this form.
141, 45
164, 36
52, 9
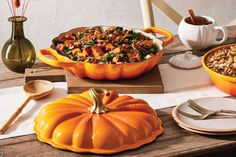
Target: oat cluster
223, 61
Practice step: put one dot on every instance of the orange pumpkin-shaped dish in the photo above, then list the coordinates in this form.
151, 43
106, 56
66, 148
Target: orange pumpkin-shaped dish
97, 121
108, 71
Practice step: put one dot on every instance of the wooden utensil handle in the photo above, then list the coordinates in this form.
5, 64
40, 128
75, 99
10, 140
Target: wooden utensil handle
14, 116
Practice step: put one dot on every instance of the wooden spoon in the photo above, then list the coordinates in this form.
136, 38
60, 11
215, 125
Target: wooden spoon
35, 89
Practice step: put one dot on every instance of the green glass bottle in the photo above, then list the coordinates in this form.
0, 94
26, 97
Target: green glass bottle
18, 52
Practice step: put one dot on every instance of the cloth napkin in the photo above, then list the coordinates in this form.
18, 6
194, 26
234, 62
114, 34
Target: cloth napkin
178, 79
11, 98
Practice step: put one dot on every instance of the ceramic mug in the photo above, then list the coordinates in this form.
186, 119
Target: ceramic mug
199, 37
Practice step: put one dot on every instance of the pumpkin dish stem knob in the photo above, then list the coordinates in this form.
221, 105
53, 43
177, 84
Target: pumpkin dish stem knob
98, 106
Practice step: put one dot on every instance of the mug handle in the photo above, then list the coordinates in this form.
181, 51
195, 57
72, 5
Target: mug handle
225, 35
167, 34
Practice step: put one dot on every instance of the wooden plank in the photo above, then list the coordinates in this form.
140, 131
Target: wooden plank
45, 73
147, 83
9, 78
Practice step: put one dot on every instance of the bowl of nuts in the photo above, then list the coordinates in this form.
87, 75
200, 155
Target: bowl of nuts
220, 63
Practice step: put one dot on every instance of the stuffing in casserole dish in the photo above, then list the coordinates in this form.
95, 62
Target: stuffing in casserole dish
114, 45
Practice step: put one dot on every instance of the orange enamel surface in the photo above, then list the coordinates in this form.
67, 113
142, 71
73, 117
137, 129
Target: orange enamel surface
106, 71
67, 124
167, 34
224, 83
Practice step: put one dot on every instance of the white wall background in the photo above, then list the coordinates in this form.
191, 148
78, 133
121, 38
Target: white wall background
48, 18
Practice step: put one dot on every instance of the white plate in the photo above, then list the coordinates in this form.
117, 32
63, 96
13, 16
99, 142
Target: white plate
207, 125
208, 133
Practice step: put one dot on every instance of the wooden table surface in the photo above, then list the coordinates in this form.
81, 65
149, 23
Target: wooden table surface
174, 142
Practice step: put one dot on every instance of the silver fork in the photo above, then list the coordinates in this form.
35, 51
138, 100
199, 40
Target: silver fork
205, 116
204, 111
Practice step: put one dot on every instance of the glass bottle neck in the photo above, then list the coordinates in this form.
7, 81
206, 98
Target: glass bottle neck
17, 26
17, 30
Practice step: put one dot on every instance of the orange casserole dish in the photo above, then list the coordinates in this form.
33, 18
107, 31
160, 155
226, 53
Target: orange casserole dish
107, 71
223, 82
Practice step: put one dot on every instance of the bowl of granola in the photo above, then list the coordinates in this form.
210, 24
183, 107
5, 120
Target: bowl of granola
106, 52
220, 64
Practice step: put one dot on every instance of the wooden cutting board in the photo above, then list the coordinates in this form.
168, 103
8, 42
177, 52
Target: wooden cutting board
147, 83
45, 73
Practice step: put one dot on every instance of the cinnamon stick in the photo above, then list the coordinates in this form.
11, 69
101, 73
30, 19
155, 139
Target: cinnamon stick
192, 16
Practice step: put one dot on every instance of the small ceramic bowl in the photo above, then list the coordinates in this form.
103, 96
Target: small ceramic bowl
224, 83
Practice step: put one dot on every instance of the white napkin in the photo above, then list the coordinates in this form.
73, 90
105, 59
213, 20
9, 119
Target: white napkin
178, 79
11, 98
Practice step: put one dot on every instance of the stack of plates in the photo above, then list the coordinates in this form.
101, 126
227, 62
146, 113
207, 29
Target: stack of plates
207, 126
